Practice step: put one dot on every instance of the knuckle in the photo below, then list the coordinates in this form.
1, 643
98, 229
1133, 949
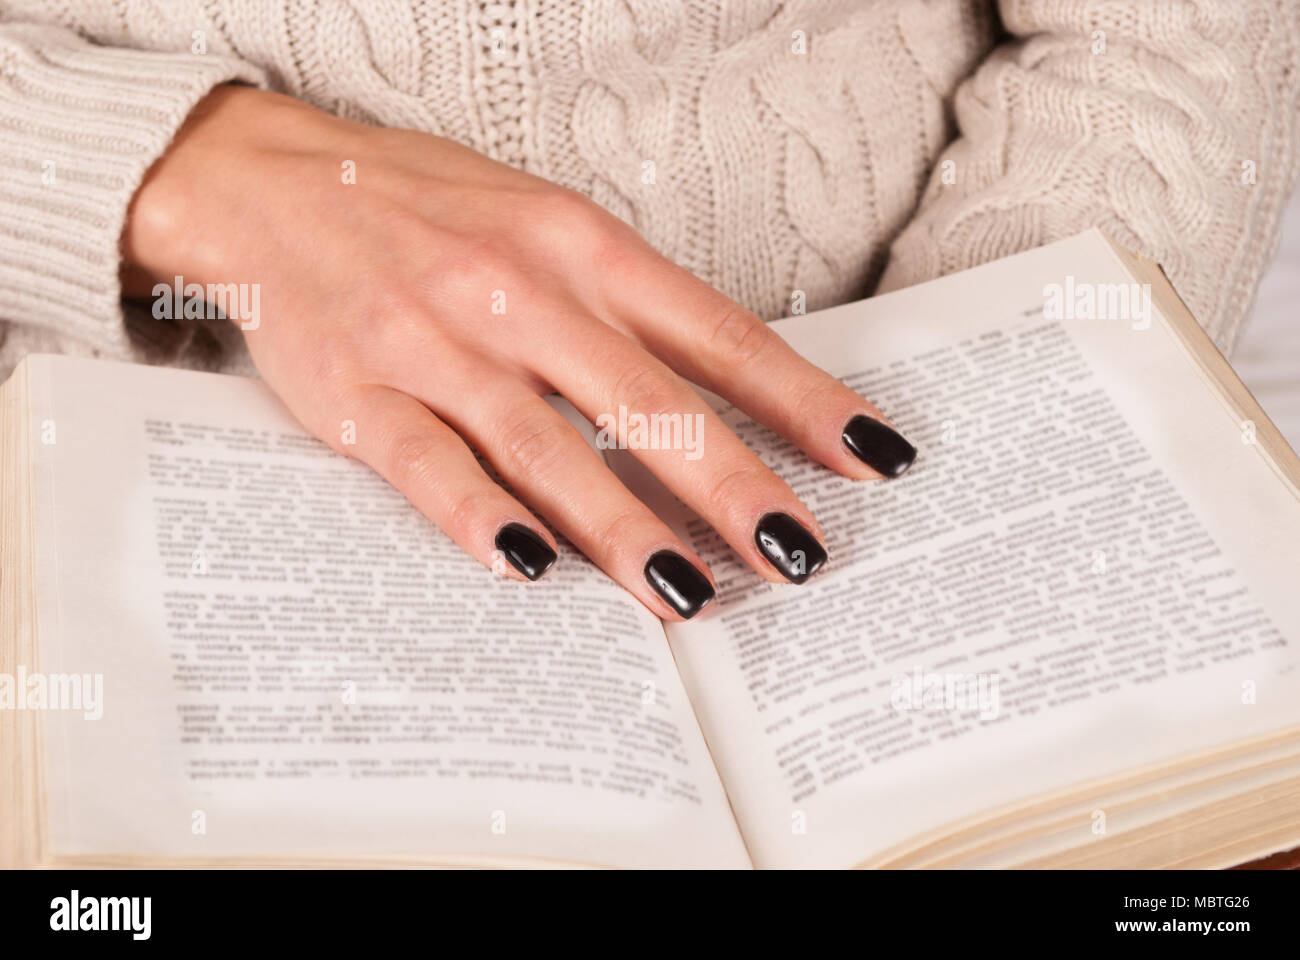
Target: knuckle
531, 443
333, 365
475, 269
614, 532
412, 458
735, 486
612, 247
813, 393
571, 213
328, 364
400, 321
564, 206
461, 510
738, 336
580, 223
646, 389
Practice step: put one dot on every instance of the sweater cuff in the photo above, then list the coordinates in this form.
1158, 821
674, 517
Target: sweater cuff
80, 125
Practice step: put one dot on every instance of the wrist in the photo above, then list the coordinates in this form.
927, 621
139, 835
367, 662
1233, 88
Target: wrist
189, 212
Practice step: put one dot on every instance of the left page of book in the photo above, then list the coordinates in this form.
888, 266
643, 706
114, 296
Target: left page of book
283, 659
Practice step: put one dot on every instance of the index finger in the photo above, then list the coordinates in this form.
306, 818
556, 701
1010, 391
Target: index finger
713, 341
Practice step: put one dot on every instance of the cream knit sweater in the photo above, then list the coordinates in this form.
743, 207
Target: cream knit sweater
829, 146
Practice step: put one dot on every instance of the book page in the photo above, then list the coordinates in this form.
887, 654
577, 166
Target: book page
1090, 568
295, 663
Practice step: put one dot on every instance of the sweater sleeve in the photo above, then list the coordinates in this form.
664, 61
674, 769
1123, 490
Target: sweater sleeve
80, 125
1171, 126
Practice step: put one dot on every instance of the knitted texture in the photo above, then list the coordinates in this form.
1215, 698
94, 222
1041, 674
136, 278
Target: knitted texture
1170, 125
767, 147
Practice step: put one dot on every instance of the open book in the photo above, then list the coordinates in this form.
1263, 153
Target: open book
1070, 635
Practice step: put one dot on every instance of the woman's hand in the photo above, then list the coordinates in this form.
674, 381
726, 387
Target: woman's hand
434, 301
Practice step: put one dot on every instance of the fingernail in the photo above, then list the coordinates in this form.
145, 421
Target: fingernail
879, 446
527, 552
679, 582
791, 549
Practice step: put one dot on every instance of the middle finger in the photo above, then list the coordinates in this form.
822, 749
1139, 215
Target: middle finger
617, 384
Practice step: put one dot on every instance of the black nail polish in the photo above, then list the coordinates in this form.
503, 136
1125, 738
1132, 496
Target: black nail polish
679, 582
879, 446
791, 549
527, 552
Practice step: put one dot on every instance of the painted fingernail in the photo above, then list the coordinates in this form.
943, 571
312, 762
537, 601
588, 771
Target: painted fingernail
679, 582
527, 552
879, 446
790, 548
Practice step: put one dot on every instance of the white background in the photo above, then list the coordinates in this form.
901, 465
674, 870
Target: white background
1268, 355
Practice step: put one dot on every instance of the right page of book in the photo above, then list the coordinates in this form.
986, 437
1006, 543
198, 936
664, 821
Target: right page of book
1090, 568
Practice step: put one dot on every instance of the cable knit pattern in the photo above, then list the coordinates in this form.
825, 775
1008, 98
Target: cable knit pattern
766, 146
1172, 126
